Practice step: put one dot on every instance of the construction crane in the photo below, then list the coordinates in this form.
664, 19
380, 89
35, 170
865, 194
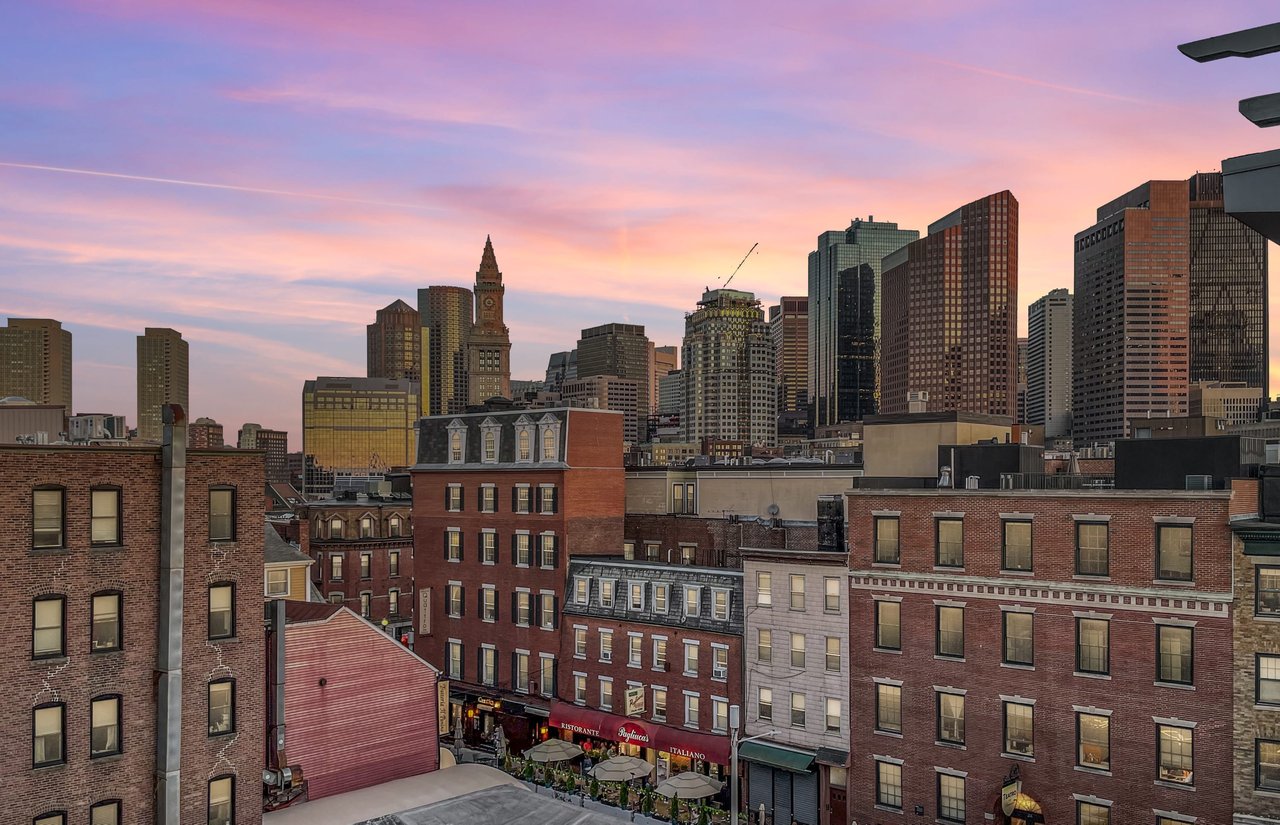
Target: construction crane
740, 263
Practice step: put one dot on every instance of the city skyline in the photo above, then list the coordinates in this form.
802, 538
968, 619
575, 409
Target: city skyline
686, 132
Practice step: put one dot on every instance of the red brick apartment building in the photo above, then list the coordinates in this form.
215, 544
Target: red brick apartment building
86, 693
501, 499
1078, 640
363, 548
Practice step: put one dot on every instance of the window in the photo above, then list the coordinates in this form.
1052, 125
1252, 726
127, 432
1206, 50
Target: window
1175, 754
659, 654
833, 715
104, 527
950, 632
889, 785
522, 556
797, 710
222, 514
949, 550
393, 602
629, 550
635, 650
886, 537
453, 545
393, 563
1093, 646
523, 498
660, 598
797, 592
764, 645
48, 512
691, 710
547, 675
951, 797
336, 598
48, 636
490, 442
1016, 553
104, 737
488, 498
455, 659
690, 658
889, 625
951, 717
524, 449
394, 526
456, 602
488, 604
581, 590
366, 527
720, 605
547, 499
106, 631
53, 818
522, 613
222, 800
889, 708
520, 672
719, 715
580, 688
606, 645
548, 443
831, 595
547, 555
222, 611
48, 738
366, 599
1018, 727
1173, 552
222, 706
105, 813
637, 596
688, 553
335, 567
833, 654
547, 611
659, 704
764, 704
1267, 765
1174, 647
1087, 813
797, 650
606, 592
764, 589
1268, 676
580, 642
651, 551
1092, 549
277, 583
606, 693
453, 498
719, 663
692, 600
1019, 641
335, 528
488, 666
366, 565
1093, 741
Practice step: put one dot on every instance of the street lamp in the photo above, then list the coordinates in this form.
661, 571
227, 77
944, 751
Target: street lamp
734, 742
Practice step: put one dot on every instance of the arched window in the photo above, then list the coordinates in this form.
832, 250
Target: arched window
490, 446
525, 446
548, 444
455, 448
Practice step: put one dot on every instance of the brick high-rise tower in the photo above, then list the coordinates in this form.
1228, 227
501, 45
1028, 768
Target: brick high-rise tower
35, 361
489, 347
162, 378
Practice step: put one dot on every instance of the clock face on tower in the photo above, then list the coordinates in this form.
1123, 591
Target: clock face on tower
488, 302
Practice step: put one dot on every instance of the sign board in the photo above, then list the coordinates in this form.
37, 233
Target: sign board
1009, 791
633, 734
424, 610
442, 706
635, 701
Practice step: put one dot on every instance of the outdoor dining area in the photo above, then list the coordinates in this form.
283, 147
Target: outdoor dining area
619, 780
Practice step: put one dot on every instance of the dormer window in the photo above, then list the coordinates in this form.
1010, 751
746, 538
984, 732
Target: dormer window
524, 438
489, 432
549, 429
335, 528
457, 442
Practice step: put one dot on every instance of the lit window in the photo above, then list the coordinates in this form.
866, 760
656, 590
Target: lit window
456, 601
1174, 648
488, 499
720, 605
659, 704
366, 565
659, 654
222, 521
277, 583
222, 707
951, 797
455, 660
889, 785
1018, 728
222, 613
951, 718
580, 688
888, 625
660, 598
1092, 549
797, 650
1093, 741
831, 594
48, 637
1173, 552
690, 710
719, 715
394, 526
764, 589
488, 604
606, 593
105, 633
719, 663
103, 813
366, 527
522, 498
949, 551
366, 604
606, 645
520, 549
1019, 647
889, 708
453, 545
1267, 759
548, 557
833, 654
105, 518
48, 513
886, 540
797, 592
764, 704
950, 631
692, 600
797, 710
520, 672
548, 501
635, 650
690, 658
1093, 646
1175, 754
764, 644
1088, 813
637, 596
833, 715
1016, 554
222, 804
393, 602
48, 737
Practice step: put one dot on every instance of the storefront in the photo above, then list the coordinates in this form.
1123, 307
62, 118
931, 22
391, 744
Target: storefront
782, 779
671, 750
1013, 805
480, 716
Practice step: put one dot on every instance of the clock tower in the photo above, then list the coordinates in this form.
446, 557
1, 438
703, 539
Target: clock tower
489, 347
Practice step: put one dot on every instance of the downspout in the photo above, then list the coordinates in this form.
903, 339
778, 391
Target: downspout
275, 610
173, 484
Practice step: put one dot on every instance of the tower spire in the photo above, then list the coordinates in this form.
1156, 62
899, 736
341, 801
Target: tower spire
488, 270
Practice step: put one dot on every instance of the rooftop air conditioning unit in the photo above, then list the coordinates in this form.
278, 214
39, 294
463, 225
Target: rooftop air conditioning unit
1199, 482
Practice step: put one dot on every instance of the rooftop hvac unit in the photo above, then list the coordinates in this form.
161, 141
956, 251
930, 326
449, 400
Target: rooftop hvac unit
1199, 482
971, 482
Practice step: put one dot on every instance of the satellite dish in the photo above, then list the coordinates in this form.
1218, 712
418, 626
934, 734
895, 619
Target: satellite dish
773, 510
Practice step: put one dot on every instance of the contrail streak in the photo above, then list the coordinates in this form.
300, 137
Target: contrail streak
206, 185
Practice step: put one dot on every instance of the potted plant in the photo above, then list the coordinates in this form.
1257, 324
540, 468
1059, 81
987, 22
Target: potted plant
595, 788
528, 771
623, 795
675, 809
704, 815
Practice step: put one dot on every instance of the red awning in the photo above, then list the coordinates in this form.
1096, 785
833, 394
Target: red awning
601, 725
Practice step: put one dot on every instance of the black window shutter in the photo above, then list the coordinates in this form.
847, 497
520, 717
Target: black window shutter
515, 672
497, 607
480, 665
555, 499
515, 492
555, 612
555, 552
447, 490
462, 600
446, 545
536, 598
513, 549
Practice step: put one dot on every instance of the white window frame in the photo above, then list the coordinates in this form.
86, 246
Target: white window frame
719, 674
716, 593
282, 594
764, 589
690, 644
696, 590
606, 650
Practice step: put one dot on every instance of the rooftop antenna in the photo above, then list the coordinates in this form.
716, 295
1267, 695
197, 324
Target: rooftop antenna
739, 266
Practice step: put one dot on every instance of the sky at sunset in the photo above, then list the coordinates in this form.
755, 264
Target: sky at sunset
263, 176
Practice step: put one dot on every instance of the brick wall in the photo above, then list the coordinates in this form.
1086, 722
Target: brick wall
716, 539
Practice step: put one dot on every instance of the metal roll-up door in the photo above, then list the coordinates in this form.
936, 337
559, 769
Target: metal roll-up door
781, 797
759, 787
804, 797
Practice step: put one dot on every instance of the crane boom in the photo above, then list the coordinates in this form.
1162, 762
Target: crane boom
740, 263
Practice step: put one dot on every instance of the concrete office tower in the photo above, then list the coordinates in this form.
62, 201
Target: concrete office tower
1228, 292
1049, 364
356, 428
276, 445
663, 361
561, 367
729, 383
1022, 381
950, 319
1130, 321
609, 392
832, 332
621, 350
35, 361
1235, 402
489, 347
204, 433
395, 343
789, 328
446, 314
671, 393
162, 378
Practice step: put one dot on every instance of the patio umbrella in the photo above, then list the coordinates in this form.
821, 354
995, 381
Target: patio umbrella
621, 769
689, 785
553, 750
